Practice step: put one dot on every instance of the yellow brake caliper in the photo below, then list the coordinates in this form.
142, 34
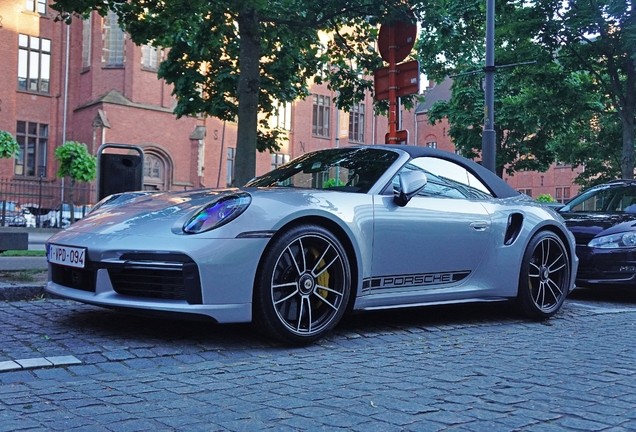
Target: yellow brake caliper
323, 279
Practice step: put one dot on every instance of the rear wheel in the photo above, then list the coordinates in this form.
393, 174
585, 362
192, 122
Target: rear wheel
545, 276
302, 286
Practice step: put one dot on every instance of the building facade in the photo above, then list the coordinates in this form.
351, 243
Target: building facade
89, 82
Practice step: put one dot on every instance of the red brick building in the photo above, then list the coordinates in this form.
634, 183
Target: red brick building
101, 88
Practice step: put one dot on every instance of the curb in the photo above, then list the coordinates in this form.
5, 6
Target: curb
12, 293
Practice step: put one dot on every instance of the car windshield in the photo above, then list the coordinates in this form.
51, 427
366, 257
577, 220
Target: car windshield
344, 169
604, 199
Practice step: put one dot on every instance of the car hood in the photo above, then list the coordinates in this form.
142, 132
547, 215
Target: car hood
586, 226
163, 215
139, 213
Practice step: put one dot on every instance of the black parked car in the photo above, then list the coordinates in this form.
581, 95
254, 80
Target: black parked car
603, 221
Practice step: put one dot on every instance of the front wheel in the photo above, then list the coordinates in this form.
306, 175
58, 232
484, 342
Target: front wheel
302, 285
545, 276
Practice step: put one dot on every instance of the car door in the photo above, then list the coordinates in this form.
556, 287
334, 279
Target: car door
438, 239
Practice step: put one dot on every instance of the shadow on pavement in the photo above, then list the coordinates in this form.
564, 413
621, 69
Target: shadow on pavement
605, 294
109, 324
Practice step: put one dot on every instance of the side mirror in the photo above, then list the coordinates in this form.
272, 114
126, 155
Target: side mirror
411, 183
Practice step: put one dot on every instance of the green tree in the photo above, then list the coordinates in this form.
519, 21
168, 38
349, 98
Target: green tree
8, 145
599, 38
582, 83
597, 148
529, 99
235, 59
78, 164
541, 110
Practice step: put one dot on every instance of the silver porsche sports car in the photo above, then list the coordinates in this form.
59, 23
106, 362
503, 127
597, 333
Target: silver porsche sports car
330, 232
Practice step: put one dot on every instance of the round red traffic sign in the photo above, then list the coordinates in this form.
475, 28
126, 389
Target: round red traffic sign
399, 37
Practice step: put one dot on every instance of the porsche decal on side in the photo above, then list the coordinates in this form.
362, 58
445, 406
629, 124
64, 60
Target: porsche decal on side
404, 281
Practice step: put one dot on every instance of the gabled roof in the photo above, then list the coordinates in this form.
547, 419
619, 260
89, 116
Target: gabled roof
115, 97
440, 92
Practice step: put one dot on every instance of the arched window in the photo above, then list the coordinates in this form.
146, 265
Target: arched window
155, 169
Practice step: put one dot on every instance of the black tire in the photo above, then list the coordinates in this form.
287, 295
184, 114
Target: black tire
545, 276
302, 285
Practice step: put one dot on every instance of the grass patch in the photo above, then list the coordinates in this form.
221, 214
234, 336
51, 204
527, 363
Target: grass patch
24, 275
23, 253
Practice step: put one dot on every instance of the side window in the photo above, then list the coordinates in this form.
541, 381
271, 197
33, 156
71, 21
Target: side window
447, 179
609, 199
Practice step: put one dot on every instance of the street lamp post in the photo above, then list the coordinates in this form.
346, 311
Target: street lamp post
488, 138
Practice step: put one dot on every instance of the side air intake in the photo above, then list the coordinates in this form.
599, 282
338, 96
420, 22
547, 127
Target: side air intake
515, 222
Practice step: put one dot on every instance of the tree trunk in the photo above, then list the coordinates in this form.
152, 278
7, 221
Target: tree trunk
627, 113
627, 161
248, 90
71, 199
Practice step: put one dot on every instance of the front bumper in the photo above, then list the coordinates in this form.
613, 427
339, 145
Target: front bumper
210, 278
606, 266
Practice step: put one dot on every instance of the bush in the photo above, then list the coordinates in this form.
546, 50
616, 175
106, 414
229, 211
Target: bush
76, 162
8, 145
546, 198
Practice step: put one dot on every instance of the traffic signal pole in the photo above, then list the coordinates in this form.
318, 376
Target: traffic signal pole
395, 42
393, 108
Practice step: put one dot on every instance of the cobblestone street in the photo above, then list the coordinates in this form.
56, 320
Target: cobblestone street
473, 367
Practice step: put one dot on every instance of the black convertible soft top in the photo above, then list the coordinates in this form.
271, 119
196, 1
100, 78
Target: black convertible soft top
497, 186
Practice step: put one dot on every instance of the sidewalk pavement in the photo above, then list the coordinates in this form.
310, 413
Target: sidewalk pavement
37, 236
15, 290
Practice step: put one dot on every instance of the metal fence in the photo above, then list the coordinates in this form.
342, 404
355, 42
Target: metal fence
43, 203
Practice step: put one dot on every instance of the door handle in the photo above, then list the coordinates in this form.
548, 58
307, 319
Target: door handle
479, 225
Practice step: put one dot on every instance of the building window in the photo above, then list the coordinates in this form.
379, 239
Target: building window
356, 123
34, 63
561, 164
562, 194
322, 109
113, 41
282, 119
229, 175
38, 6
278, 159
150, 57
86, 42
431, 144
154, 172
33, 139
526, 191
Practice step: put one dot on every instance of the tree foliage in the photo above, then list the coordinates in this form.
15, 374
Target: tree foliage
9, 147
547, 198
558, 107
76, 162
597, 37
527, 117
238, 60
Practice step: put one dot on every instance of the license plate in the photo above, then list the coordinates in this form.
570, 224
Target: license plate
66, 255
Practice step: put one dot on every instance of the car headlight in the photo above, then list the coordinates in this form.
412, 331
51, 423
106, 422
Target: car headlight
218, 213
614, 241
